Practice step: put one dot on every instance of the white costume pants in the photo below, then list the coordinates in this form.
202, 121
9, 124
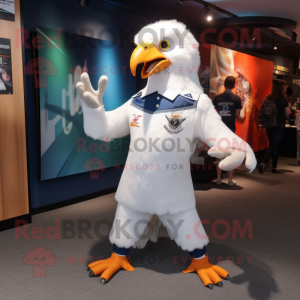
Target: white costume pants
134, 229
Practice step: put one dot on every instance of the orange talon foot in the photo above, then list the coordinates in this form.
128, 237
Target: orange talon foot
108, 267
208, 273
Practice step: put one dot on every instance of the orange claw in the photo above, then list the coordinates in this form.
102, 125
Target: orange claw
208, 273
108, 267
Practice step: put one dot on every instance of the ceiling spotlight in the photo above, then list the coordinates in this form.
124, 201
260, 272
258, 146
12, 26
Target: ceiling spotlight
179, 3
84, 2
208, 14
274, 46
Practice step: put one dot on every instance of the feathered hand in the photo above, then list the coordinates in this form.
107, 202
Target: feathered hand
86, 92
233, 158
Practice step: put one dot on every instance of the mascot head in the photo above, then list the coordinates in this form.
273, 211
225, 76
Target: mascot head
165, 47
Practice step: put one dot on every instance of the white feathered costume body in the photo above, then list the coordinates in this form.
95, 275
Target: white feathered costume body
164, 120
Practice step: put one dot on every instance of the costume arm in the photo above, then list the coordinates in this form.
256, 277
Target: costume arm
98, 123
222, 141
106, 125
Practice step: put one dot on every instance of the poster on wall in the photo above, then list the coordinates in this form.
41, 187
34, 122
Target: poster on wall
6, 85
65, 149
7, 10
254, 78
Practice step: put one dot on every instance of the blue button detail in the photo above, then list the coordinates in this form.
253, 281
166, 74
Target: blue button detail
149, 103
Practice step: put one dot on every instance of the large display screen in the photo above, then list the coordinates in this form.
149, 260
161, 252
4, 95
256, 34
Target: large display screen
65, 149
254, 78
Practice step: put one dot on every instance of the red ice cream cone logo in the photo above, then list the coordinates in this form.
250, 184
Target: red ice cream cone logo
39, 258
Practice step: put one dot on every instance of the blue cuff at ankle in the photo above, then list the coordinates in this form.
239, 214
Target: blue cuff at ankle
121, 251
198, 252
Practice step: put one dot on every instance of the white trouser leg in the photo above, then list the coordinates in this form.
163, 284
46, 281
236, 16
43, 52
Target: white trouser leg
185, 229
128, 227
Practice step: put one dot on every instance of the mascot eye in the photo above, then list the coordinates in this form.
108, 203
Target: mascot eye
166, 45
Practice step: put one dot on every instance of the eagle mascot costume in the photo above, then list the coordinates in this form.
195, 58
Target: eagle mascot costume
164, 120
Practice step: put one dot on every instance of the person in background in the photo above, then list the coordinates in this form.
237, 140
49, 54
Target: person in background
276, 134
289, 93
291, 117
297, 123
229, 108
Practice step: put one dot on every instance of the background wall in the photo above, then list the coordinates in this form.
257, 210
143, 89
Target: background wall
288, 77
70, 16
265, 52
13, 161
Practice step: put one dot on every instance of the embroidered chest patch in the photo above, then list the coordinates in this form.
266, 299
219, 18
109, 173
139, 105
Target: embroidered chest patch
135, 121
174, 123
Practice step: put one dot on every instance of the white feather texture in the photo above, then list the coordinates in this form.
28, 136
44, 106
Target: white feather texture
159, 181
153, 226
156, 184
182, 74
140, 227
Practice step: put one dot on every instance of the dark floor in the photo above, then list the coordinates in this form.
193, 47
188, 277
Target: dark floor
263, 265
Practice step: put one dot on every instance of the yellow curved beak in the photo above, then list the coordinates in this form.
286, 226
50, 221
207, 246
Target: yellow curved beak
154, 61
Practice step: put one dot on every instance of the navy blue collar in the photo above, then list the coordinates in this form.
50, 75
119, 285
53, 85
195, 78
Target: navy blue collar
157, 103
